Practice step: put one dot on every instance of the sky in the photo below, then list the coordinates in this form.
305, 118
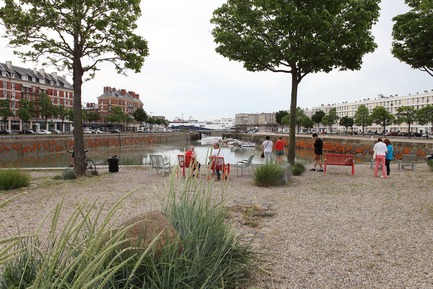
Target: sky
184, 77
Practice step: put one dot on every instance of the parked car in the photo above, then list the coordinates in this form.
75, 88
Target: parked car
392, 133
5, 131
56, 131
44, 131
27, 131
115, 131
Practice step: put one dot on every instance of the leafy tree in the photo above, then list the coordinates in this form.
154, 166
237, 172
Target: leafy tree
425, 115
93, 116
139, 115
406, 114
77, 35
317, 117
285, 120
63, 113
26, 111
381, 116
412, 36
331, 118
362, 117
279, 117
46, 108
5, 111
295, 37
307, 122
346, 121
117, 115
300, 115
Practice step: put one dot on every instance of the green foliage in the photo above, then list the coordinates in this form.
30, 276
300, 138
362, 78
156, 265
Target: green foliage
331, 118
412, 31
406, 114
279, 115
346, 121
298, 169
268, 175
318, 116
381, 116
76, 36
362, 117
11, 179
139, 115
69, 174
295, 37
425, 115
86, 251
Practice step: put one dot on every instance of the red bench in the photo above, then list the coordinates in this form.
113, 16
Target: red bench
339, 160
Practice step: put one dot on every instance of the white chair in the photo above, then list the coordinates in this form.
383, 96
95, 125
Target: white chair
243, 164
157, 162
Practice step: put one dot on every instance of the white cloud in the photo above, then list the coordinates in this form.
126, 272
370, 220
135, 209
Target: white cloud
183, 74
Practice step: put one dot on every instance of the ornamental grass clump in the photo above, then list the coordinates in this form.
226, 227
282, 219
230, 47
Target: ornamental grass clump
11, 179
298, 169
87, 250
269, 175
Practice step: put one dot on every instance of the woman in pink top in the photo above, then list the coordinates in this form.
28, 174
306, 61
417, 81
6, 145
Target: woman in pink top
380, 150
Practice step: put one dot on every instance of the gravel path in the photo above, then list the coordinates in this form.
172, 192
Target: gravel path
329, 230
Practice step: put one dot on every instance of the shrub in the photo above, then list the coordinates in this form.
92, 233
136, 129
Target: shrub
298, 169
78, 253
69, 174
268, 175
11, 179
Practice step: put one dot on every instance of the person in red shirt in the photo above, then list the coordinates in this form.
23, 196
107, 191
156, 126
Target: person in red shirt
190, 158
279, 150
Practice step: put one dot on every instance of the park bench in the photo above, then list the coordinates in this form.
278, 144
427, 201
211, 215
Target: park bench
339, 160
408, 160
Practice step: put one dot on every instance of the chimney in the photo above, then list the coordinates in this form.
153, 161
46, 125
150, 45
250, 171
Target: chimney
123, 91
54, 75
9, 64
42, 72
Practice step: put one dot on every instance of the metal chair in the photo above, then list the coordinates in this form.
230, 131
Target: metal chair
157, 162
243, 164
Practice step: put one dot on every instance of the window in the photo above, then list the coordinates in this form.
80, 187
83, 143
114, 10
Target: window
24, 77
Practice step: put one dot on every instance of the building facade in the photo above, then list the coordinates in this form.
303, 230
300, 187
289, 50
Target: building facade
19, 83
128, 101
390, 103
264, 122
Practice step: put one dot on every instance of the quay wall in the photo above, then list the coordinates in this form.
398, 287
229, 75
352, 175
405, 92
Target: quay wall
22, 145
361, 146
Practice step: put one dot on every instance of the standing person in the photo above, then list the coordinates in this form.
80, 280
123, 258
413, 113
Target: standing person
279, 150
380, 150
267, 148
389, 155
217, 152
318, 151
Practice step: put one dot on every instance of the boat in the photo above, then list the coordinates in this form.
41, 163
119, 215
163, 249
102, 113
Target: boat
247, 144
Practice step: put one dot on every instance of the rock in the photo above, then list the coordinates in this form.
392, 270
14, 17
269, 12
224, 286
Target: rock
144, 228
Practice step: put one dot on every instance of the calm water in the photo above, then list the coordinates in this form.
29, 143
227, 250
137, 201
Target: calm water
140, 155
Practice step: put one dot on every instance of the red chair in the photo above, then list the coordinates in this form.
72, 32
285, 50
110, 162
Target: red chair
217, 163
185, 162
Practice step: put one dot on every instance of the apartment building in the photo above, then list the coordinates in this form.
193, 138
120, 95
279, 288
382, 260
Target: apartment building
391, 103
128, 101
259, 121
18, 83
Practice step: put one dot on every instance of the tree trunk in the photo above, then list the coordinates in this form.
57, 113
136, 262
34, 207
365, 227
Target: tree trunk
79, 155
292, 135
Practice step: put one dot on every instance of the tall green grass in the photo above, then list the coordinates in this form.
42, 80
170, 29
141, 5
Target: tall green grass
88, 251
269, 175
11, 179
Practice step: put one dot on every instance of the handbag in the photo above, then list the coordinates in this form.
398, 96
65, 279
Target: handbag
262, 155
374, 156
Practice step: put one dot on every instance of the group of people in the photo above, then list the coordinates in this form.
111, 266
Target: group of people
268, 146
191, 159
383, 155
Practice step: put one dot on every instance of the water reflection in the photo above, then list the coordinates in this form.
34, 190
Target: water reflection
140, 155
